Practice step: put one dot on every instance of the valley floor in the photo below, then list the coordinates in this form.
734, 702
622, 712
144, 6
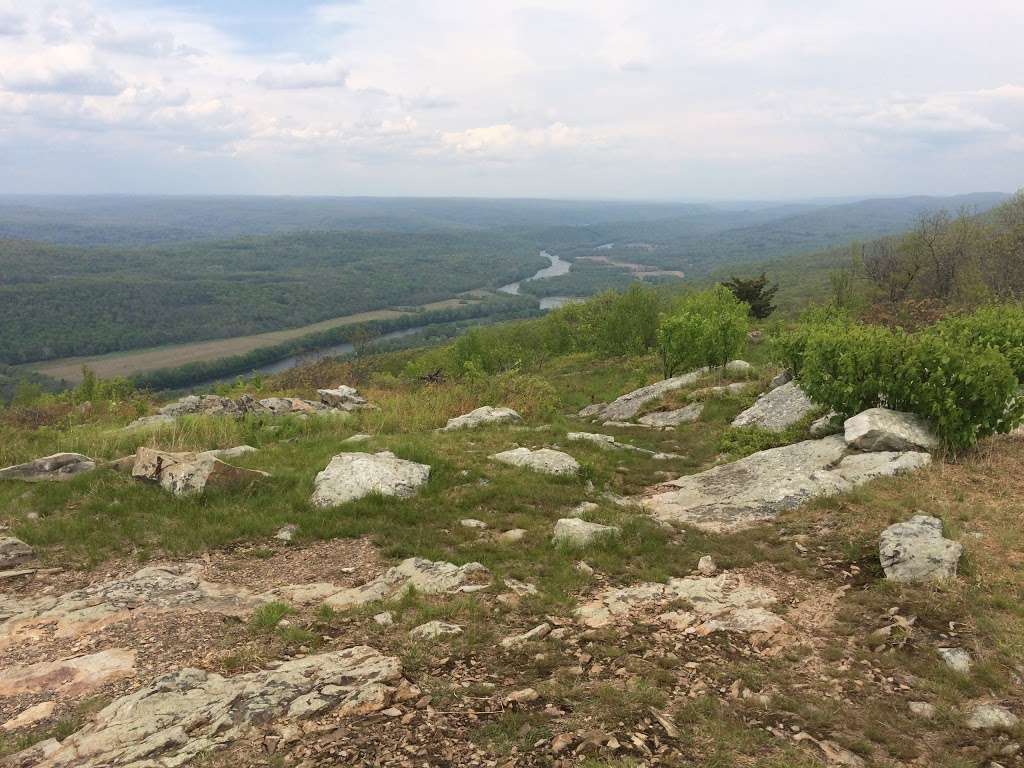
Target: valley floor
840, 667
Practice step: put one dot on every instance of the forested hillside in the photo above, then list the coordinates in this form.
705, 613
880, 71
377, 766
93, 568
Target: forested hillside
60, 301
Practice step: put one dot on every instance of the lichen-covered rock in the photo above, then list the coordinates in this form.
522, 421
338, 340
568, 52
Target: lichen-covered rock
880, 429
628, 405
14, 552
425, 576
758, 487
915, 550
343, 397
575, 532
777, 409
484, 415
190, 713
664, 419
187, 474
58, 467
546, 460
991, 717
435, 629
352, 476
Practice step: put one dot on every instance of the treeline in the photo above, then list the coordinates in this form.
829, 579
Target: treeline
58, 302
501, 308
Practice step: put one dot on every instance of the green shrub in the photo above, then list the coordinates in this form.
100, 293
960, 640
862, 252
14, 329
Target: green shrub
708, 328
788, 347
999, 327
850, 368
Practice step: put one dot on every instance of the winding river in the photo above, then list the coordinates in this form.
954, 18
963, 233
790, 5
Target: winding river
558, 266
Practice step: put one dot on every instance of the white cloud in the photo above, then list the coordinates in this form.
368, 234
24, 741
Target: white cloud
304, 75
67, 69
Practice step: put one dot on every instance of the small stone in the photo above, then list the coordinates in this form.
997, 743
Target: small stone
706, 566
287, 532
485, 415
537, 633
30, 716
739, 368
579, 533
544, 460
991, 717
512, 536
435, 629
561, 742
922, 709
384, 618
584, 568
915, 550
956, 659
470, 522
14, 552
524, 696
583, 508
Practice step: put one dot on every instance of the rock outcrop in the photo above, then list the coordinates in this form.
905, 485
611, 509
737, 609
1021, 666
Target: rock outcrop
880, 429
352, 476
484, 415
188, 474
718, 603
545, 460
758, 487
777, 409
915, 550
59, 466
68, 677
14, 552
86, 610
425, 576
628, 406
190, 713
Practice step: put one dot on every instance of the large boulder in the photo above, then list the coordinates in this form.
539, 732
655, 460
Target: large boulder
666, 419
186, 715
915, 550
758, 487
58, 467
880, 429
485, 414
545, 460
351, 476
777, 409
627, 406
14, 552
187, 474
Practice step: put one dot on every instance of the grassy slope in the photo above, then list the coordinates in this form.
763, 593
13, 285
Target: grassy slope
847, 686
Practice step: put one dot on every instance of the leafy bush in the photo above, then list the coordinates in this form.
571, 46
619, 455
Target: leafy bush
955, 375
999, 327
706, 329
788, 348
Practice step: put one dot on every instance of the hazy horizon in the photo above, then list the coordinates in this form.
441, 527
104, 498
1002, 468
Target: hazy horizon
539, 99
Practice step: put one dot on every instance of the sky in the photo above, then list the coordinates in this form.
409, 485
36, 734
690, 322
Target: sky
613, 99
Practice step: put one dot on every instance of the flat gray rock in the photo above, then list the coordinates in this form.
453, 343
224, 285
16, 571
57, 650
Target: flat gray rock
545, 460
760, 486
481, 416
14, 552
191, 713
915, 550
580, 533
777, 409
880, 429
352, 476
663, 419
58, 467
628, 405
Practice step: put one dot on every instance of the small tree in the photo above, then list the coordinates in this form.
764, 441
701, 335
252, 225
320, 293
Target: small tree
756, 293
706, 329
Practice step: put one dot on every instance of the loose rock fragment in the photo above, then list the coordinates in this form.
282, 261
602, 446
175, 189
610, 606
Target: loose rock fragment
435, 629
915, 550
544, 460
580, 533
352, 476
14, 552
58, 467
416, 573
482, 416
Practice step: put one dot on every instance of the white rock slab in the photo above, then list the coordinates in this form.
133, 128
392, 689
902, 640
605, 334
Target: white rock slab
545, 460
482, 416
